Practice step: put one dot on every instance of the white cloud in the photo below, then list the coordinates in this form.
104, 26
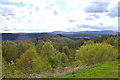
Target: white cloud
113, 9
46, 16
87, 29
97, 6
75, 4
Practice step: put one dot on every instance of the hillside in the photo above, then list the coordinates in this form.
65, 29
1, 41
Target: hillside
103, 70
86, 35
45, 55
22, 36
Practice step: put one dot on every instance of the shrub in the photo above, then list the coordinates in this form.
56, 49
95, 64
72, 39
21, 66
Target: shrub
96, 53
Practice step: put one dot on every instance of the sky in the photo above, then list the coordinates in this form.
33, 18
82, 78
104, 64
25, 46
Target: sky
58, 15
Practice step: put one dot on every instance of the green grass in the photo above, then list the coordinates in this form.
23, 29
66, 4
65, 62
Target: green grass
106, 70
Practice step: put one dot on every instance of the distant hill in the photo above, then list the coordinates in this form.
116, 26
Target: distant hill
98, 33
22, 36
60, 32
77, 36
71, 35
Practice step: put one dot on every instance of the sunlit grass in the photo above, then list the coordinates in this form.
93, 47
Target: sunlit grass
106, 70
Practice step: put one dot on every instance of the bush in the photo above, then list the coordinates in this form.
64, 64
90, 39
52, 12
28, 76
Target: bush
96, 53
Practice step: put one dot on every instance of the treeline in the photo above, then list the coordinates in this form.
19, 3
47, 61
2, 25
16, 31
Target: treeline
36, 56
27, 57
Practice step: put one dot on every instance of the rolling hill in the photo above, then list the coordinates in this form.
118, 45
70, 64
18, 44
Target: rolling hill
86, 35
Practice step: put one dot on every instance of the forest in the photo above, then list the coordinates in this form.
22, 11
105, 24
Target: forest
56, 55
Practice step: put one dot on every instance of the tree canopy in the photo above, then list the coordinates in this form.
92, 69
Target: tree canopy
96, 53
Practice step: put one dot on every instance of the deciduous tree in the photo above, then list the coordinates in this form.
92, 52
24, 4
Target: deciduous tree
24, 63
96, 53
66, 51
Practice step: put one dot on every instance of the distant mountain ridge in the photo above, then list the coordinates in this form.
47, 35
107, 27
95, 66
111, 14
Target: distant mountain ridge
71, 35
88, 32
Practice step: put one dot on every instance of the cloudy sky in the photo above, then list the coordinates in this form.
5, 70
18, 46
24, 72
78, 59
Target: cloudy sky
58, 15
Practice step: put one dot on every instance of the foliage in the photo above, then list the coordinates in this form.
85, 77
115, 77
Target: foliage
39, 46
24, 63
58, 46
60, 42
110, 41
10, 51
113, 41
66, 51
89, 42
5, 69
12, 68
41, 65
96, 53
102, 38
23, 46
62, 59
48, 52
80, 42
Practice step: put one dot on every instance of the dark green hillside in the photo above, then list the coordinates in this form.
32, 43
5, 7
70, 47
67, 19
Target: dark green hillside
86, 35
81, 36
55, 38
22, 36
72, 35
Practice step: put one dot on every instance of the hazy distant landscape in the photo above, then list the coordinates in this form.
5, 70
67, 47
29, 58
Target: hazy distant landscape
72, 35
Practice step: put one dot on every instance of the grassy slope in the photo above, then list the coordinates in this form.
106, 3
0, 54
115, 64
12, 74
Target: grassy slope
106, 70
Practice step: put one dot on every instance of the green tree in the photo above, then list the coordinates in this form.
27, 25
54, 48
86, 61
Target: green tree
48, 52
62, 59
39, 46
5, 69
41, 65
70, 44
58, 46
89, 42
96, 53
23, 46
102, 38
66, 51
24, 63
10, 51
110, 41
80, 42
